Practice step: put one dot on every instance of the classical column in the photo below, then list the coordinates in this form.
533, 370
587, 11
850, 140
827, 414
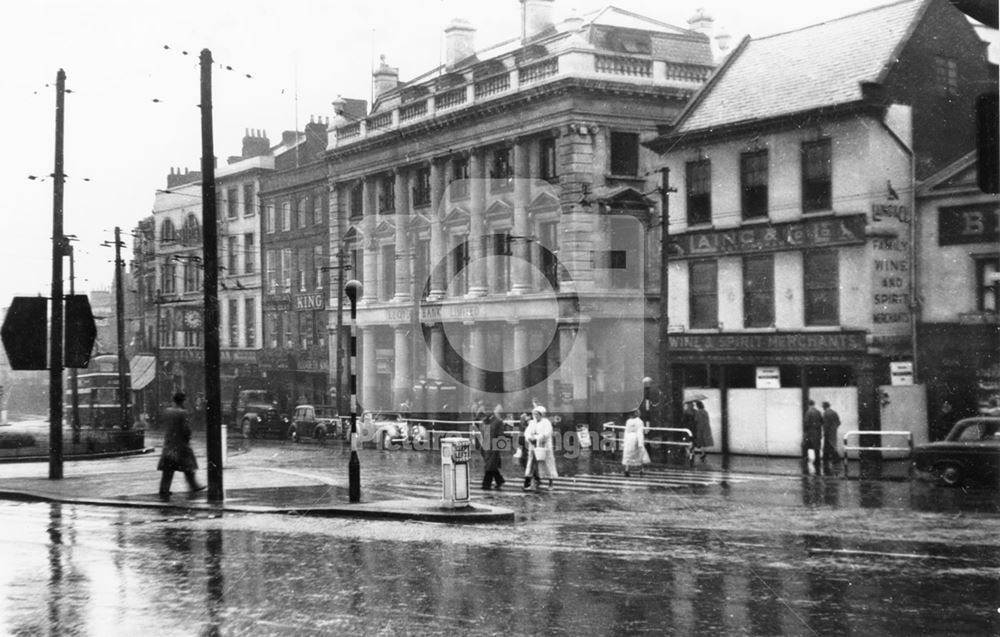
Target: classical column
369, 387
435, 354
370, 266
477, 212
520, 246
518, 377
404, 254
401, 381
573, 352
438, 262
477, 358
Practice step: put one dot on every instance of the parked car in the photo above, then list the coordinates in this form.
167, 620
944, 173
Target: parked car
259, 416
318, 422
969, 454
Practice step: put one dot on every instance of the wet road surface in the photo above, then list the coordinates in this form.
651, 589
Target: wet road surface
679, 551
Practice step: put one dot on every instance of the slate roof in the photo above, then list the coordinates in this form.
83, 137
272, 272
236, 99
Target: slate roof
816, 66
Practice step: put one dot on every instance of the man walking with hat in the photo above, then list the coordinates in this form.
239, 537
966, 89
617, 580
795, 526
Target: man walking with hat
177, 454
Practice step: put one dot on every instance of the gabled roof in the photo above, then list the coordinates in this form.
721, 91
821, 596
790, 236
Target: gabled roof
959, 174
813, 67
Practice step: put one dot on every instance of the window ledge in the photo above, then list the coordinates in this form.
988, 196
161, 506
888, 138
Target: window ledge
639, 178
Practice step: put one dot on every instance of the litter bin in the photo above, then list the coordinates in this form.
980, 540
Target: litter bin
455, 473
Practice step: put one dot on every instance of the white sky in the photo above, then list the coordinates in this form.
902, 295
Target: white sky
125, 143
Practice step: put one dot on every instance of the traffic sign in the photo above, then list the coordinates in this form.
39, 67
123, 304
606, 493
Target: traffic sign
80, 331
23, 333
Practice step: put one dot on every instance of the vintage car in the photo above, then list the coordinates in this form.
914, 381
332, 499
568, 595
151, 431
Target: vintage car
389, 431
318, 422
259, 416
969, 454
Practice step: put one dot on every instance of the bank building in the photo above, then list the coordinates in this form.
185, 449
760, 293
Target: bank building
501, 213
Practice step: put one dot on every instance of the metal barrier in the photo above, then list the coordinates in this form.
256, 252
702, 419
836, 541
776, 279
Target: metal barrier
848, 447
686, 441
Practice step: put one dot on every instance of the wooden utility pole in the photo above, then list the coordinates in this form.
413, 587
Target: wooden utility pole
56, 326
73, 379
210, 247
667, 403
123, 389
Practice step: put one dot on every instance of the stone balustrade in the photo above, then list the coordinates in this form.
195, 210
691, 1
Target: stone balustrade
572, 62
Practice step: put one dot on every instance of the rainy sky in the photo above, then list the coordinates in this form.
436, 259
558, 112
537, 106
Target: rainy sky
132, 113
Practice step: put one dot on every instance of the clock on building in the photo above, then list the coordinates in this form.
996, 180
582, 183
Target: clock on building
192, 319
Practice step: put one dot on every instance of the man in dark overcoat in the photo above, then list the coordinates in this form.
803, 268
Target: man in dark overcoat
812, 432
493, 442
831, 421
177, 454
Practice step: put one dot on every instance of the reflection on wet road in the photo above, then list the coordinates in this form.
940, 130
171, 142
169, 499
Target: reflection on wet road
578, 564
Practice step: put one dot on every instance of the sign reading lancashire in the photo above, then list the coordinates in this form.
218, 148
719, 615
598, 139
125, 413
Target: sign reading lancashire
772, 237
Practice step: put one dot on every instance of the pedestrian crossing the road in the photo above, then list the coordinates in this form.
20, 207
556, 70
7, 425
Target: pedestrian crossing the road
650, 480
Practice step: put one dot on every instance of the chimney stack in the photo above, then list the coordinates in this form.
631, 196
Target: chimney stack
536, 17
385, 78
255, 143
459, 41
702, 22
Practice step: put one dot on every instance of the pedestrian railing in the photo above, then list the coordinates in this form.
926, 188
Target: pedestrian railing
907, 450
685, 438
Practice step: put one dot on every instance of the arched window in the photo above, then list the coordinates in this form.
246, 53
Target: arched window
167, 232
192, 230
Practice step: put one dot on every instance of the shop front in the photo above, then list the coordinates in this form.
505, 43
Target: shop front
756, 386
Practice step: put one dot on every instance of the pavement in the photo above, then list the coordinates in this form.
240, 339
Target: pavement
250, 486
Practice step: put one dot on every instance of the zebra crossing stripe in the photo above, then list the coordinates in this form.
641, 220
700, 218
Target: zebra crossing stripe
715, 475
636, 481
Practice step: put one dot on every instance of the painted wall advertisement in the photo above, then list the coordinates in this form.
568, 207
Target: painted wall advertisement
891, 292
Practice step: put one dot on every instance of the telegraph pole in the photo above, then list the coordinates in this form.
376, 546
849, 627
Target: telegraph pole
210, 246
73, 380
56, 327
120, 326
668, 408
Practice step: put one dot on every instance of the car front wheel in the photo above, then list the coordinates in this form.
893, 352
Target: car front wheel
320, 435
949, 474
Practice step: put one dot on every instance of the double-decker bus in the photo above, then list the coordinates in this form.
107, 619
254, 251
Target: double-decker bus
100, 405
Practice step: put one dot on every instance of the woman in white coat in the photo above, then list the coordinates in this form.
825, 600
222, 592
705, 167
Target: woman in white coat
541, 459
634, 443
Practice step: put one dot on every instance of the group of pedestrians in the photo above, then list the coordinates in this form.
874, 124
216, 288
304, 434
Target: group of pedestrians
535, 452
819, 433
